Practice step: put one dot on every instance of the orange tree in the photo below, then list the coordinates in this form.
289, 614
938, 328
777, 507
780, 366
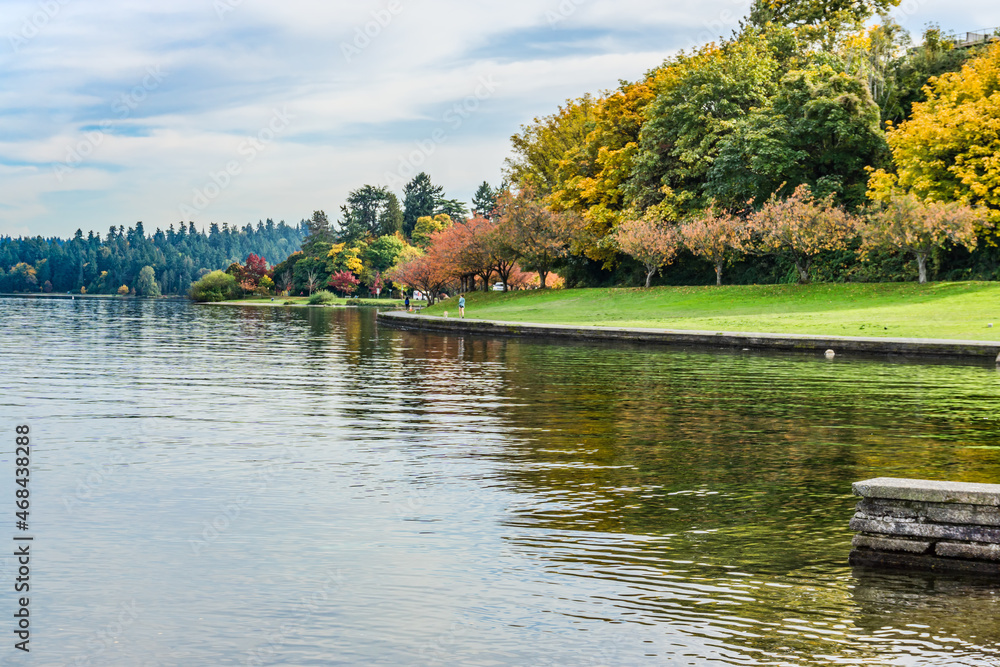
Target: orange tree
907, 224
801, 226
650, 241
717, 236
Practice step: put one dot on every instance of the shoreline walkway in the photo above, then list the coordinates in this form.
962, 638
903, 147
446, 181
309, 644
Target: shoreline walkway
899, 347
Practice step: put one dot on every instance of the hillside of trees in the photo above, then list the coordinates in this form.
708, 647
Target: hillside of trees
816, 143
174, 258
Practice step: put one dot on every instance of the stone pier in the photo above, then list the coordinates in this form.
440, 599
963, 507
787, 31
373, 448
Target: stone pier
926, 525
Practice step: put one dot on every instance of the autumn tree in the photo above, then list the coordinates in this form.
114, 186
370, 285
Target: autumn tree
907, 224
715, 235
254, 269
428, 225
428, 273
650, 241
344, 282
947, 150
465, 248
801, 226
542, 237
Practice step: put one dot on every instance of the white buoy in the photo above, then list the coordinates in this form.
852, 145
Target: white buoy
830, 354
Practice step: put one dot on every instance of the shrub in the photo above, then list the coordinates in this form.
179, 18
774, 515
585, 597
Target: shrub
215, 286
321, 297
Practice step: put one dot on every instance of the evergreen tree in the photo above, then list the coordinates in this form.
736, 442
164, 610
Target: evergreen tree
420, 198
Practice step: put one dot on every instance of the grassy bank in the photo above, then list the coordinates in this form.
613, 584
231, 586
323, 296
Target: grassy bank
934, 310
304, 301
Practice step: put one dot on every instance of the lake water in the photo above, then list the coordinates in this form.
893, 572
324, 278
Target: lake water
257, 486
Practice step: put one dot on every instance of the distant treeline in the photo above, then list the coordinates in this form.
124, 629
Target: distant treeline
178, 256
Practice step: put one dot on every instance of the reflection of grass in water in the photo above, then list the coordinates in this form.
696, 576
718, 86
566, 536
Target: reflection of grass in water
934, 310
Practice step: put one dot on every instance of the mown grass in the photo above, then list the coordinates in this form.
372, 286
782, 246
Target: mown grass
961, 310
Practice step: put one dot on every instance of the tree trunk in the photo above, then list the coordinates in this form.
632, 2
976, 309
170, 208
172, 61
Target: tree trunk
649, 277
803, 270
718, 274
922, 267
542, 275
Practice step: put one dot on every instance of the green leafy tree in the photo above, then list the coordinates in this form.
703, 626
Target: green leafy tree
318, 231
821, 128
215, 286
146, 284
420, 198
484, 200
822, 22
382, 253
701, 100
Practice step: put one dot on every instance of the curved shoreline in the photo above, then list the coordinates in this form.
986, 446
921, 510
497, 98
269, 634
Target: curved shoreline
901, 347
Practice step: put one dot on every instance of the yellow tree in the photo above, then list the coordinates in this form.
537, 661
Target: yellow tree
800, 227
651, 241
427, 225
717, 236
947, 150
903, 222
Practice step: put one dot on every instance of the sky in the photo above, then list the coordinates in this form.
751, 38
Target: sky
117, 111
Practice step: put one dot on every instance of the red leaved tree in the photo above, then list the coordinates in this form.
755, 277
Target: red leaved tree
255, 269
344, 282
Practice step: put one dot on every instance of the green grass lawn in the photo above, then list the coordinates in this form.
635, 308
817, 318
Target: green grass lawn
959, 310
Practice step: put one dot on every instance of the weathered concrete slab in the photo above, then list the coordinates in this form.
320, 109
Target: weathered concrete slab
903, 528
905, 561
929, 491
917, 347
881, 543
881, 508
966, 550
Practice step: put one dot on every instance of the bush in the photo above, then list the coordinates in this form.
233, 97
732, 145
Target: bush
215, 286
321, 297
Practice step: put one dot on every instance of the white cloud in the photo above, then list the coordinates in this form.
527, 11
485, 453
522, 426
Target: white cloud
357, 115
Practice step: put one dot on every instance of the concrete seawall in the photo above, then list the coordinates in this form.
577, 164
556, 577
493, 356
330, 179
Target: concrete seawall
926, 525
902, 347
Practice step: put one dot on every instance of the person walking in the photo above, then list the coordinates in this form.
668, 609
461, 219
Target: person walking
407, 303
461, 305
